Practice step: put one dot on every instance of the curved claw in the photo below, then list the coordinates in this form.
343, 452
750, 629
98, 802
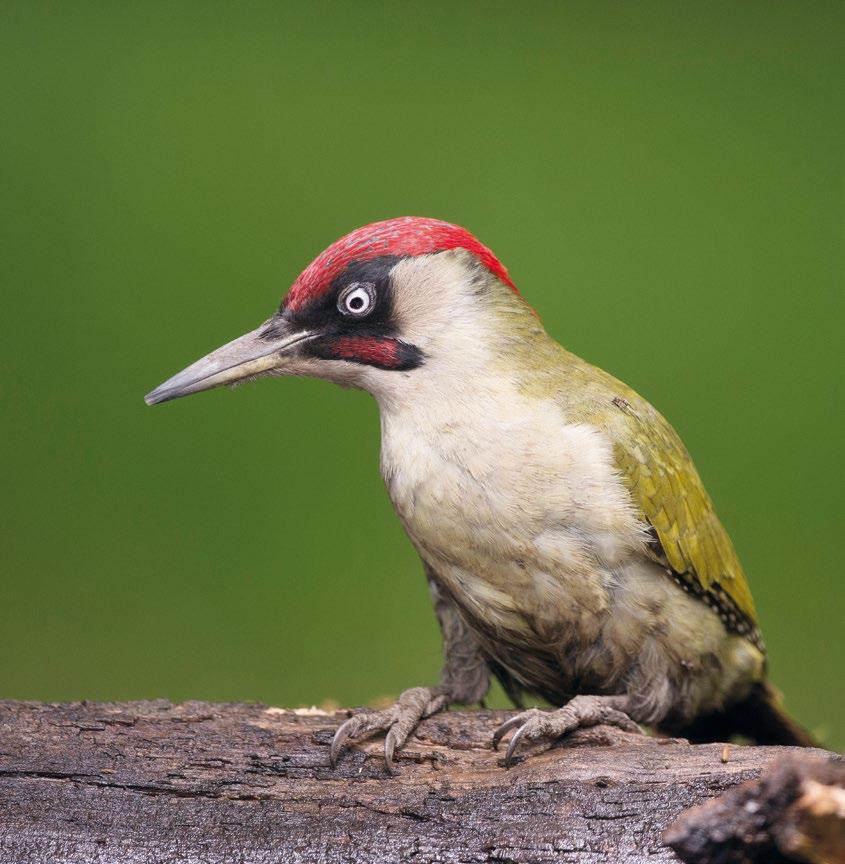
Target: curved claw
622, 721
503, 730
340, 738
389, 749
513, 744
398, 722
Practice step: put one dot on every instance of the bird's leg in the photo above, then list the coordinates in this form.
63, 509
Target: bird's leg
465, 678
579, 712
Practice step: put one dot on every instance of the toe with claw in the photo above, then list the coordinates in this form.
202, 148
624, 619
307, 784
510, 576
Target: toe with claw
398, 721
580, 712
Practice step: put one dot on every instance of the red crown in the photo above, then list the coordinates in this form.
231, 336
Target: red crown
405, 236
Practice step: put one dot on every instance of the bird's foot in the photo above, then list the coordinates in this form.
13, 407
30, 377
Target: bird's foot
399, 721
579, 712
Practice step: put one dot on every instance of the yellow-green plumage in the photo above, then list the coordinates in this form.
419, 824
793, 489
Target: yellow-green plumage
569, 543
652, 461
659, 473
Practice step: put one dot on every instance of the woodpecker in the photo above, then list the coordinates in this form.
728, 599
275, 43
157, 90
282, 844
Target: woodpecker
570, 547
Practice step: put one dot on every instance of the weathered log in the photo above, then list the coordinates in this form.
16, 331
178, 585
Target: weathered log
794, 812
155, 782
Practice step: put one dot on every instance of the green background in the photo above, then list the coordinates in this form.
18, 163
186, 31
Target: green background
664, 182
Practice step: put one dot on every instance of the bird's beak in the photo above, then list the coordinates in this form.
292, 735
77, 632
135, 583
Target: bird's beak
256, 352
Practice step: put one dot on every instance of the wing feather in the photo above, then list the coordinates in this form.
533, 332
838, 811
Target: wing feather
692, 542
689, 539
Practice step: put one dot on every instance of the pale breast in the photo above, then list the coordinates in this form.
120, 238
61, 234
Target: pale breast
520, 511
523, 518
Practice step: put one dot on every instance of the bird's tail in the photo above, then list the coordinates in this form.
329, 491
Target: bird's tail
760, 717
765, 720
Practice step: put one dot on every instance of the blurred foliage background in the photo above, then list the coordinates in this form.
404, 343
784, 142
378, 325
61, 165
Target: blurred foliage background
664, 181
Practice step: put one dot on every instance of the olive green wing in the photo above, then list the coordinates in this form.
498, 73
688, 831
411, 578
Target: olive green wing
689, 538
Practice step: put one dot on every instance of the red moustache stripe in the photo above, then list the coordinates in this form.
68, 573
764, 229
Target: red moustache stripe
372, 350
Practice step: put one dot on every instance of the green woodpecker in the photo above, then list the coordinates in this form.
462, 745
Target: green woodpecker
569, 544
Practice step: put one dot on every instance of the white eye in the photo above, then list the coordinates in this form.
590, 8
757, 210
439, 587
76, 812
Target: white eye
357, 299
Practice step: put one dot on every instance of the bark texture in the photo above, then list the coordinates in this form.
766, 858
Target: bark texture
794, 812
156, 782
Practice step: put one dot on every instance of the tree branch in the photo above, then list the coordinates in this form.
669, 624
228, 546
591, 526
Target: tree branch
155, 782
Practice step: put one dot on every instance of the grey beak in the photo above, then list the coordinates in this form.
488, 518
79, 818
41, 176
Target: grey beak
244, 357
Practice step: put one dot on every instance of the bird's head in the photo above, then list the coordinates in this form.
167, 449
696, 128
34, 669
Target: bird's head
373, 310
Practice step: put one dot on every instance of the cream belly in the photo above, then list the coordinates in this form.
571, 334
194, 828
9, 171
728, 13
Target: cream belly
526, 524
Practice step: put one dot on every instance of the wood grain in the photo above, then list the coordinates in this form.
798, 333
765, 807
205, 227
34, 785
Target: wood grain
156, 782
